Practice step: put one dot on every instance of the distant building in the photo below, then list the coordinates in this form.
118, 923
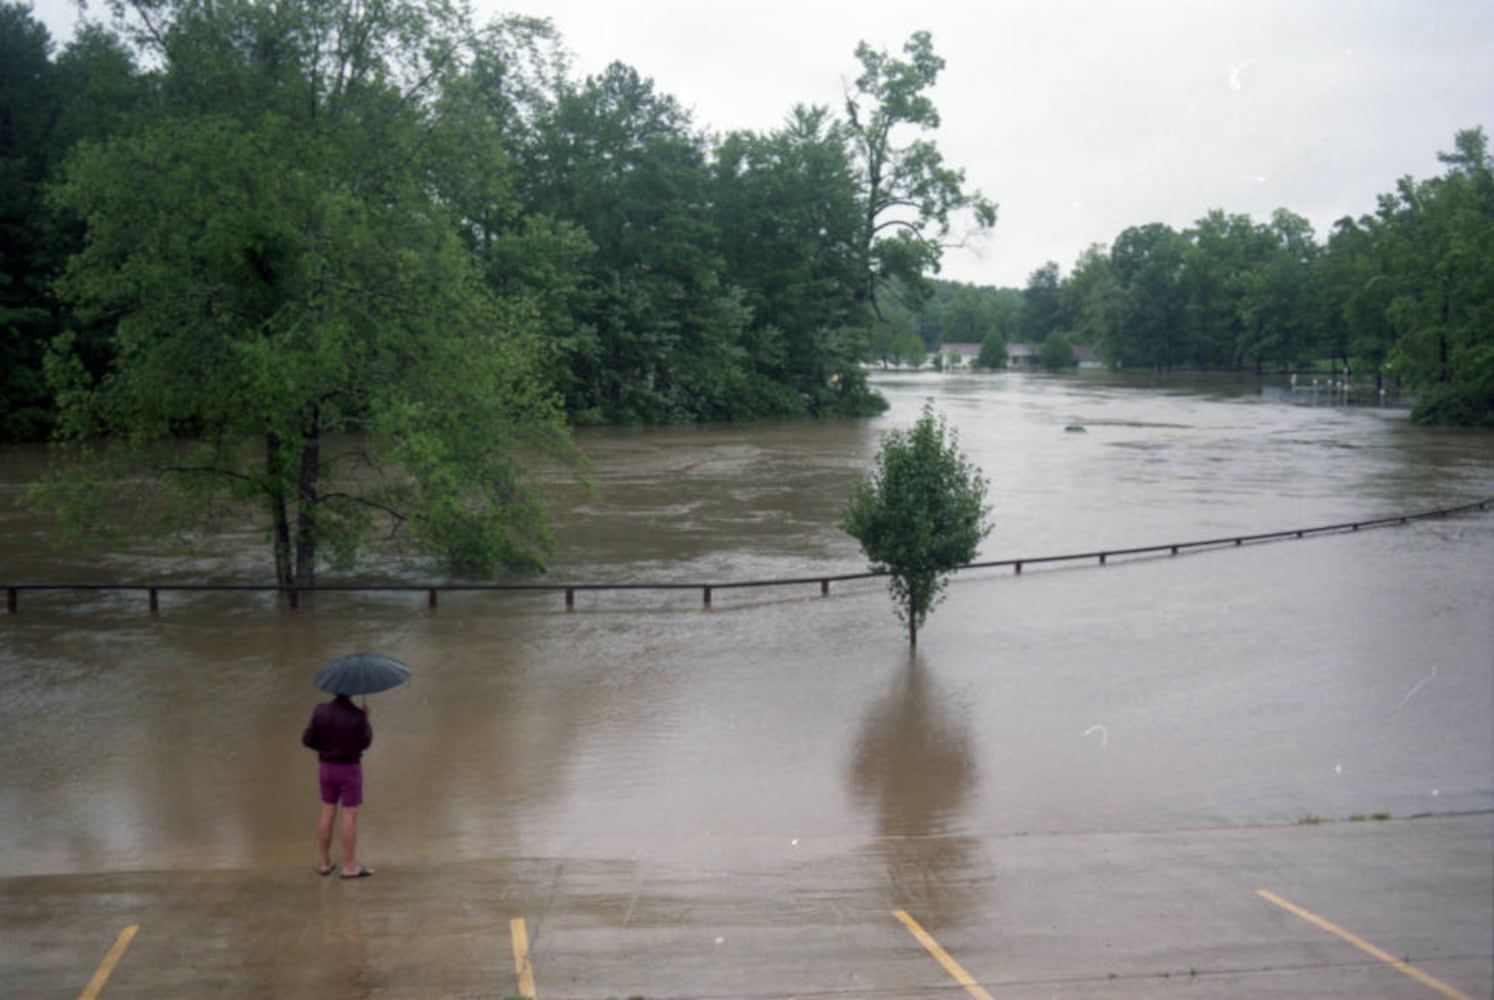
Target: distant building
967, 353
1022, 356
1088, 357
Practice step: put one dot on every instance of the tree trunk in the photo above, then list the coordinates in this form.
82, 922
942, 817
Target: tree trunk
279, 514
912, 622
306, 500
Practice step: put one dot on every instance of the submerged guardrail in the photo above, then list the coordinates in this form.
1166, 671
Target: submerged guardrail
570, 590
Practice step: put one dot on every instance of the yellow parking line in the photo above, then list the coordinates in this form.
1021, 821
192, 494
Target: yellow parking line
950, 965
106, 967
1364, 946
522, 967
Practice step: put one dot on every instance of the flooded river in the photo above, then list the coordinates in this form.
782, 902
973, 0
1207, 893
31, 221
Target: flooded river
1336, 676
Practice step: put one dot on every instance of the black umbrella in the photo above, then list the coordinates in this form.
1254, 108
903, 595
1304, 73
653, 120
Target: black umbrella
362, 673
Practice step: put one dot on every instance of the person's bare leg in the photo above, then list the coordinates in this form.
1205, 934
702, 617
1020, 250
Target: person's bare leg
350, 840
324, 835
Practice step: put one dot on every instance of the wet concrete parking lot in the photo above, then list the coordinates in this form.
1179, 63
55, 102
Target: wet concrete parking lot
1264, 771
1102, 915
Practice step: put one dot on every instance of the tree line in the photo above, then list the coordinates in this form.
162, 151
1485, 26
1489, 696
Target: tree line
233, 231
1403, 295
666, 274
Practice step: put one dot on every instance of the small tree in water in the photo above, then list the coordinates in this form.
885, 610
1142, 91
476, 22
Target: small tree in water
919, 515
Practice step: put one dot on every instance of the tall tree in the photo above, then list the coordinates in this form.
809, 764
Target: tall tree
1092, 298
894, 338
1042, 305
1148, 263
786, 210
919, 515
1439, 241
970, 317
278, 251
530, 258
622, 161
1226, 249
29, 105
1356, 297
909, 196
1277, 304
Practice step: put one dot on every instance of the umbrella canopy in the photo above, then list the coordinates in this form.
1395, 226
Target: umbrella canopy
362, 673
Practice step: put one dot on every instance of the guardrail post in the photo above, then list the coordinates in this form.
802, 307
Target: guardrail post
155, 604
707, 592
824, 588
432, 599
295, 598
1102, 558
12, 599
1018, 567
570, 598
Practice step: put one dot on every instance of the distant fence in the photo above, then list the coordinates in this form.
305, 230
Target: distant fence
293, 595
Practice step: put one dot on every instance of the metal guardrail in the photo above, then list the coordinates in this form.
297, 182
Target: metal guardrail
1102, 556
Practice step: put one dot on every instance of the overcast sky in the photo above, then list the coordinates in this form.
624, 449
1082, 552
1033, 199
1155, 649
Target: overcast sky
1082, 117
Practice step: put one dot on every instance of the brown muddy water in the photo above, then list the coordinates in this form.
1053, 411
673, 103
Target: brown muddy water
1336, 676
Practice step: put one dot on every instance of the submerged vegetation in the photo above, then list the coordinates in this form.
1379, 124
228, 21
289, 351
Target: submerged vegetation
919, 515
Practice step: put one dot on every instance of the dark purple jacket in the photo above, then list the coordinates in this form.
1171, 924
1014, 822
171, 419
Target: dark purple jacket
339, 731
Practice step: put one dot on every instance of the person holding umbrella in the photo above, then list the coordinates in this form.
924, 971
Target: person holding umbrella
339, 732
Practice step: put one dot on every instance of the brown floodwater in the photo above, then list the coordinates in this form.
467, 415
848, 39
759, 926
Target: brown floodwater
1335, 676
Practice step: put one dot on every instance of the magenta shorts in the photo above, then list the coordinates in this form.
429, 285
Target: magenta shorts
342, 783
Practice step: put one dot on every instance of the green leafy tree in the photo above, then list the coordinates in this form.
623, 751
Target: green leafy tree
528, 258
786, 210
1226, 250
992, 354
1355, 295
46, 107
895, 340
1042, 304
1148, 264
1437, 237
278, 248
969, 317
1006, 307
621, 160
1277, 303
1057, 352
919, 515
910, 197
29, 105
1093, 298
